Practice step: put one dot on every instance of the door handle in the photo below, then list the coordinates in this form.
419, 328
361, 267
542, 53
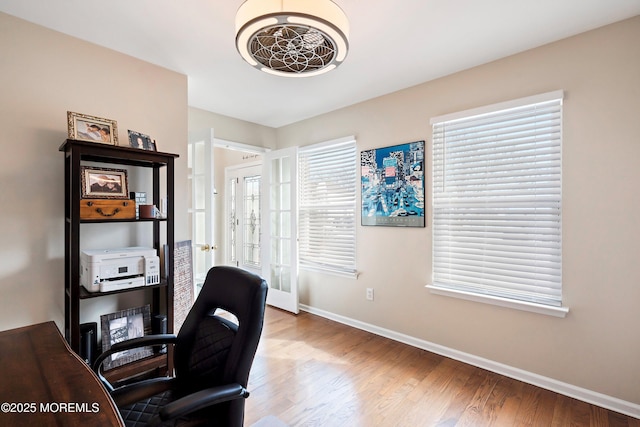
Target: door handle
207, 248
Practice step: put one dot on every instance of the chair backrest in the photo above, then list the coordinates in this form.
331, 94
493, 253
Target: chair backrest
211, 350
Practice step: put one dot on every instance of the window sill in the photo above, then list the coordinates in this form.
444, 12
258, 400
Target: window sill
502, 302
350, 274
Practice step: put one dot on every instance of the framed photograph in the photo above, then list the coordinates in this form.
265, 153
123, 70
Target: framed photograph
94, 129
392, 181
125, 325
104, 183
141, 141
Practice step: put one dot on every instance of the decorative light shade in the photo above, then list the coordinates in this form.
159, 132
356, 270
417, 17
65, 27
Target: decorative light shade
293, 38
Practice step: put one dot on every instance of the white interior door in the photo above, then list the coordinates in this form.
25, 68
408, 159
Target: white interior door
201, 211
243, 194
279, 228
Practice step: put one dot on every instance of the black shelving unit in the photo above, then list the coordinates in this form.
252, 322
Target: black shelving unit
77, 153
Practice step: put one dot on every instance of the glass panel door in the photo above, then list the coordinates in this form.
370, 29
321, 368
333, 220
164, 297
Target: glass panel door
201, 211
243, 217
280, 260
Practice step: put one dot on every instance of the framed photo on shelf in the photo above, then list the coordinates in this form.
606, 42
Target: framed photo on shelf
393, 185
125, 325
83, 127
104, 183
141, 141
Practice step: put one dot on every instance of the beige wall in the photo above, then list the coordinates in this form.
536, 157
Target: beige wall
597, 346
43, 74
230, 129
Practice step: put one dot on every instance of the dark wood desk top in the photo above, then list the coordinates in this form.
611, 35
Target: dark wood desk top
44, 383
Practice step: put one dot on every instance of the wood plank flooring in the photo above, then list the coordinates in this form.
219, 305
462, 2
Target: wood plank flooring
310, 371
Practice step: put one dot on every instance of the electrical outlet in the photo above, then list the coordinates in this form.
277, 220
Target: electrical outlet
370, 294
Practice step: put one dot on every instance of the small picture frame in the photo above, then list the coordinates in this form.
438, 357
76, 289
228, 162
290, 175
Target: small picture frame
83, 127
141, 141
125, 325
104, 183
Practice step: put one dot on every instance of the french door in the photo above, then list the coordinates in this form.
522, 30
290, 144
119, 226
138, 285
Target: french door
279, 228
201, 210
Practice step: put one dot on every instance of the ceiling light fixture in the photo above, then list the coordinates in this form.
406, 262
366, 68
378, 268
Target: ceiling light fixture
293, 38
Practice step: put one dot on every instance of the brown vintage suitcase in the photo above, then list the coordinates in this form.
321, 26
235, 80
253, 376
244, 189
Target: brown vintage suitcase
107, 209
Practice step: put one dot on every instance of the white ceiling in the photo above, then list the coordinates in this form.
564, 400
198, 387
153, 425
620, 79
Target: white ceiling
393, 44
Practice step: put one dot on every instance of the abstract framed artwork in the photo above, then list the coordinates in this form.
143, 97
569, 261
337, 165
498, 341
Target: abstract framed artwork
392, 181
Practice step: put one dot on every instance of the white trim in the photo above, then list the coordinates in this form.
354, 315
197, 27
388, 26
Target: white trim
534, 99
323, 144
239, 146
349, 274
502, 302
608, 402
237, 167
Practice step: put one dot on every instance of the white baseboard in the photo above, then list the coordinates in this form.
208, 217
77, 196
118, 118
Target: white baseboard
618, 405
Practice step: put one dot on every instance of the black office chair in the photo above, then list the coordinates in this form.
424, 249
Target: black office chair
212, 358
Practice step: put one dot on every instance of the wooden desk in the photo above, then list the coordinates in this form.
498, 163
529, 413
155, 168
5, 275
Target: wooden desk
44, 383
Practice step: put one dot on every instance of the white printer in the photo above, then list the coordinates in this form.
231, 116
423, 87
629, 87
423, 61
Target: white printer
105, 270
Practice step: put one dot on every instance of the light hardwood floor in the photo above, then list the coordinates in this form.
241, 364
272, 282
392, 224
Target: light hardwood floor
310, 371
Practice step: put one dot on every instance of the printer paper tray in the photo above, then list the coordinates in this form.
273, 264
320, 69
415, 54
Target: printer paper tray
117, 285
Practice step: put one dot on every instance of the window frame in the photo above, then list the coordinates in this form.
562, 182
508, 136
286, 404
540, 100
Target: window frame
441, 200
314, 255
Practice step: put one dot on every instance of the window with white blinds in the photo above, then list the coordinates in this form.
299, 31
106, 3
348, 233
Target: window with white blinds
497, 200
327, 206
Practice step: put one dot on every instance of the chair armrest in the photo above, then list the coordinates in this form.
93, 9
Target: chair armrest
201, 399
147, 340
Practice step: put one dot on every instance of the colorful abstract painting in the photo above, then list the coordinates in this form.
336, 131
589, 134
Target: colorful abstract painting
393, 185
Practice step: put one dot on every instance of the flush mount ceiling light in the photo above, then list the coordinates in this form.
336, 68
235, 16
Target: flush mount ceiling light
293, 38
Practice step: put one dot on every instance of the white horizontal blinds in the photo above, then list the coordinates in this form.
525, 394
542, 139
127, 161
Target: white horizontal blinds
327, 206
497, 201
